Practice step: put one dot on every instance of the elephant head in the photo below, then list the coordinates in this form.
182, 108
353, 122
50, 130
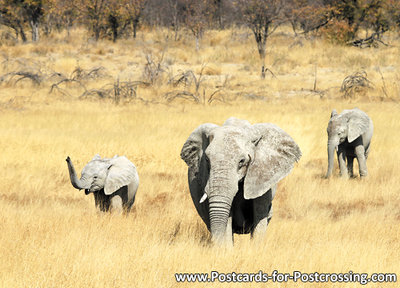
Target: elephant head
237, 154
347, 126
108, 174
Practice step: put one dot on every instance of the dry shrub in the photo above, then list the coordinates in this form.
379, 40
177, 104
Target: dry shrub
338, 32
354, 84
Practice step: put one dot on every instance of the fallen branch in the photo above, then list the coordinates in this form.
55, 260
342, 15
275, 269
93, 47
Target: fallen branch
371, 41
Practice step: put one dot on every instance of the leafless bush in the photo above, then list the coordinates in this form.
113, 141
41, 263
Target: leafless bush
193, 88
154, 69
77, 76
23, 69
35, 77
183, 78
117, 91
88, 74
355, 83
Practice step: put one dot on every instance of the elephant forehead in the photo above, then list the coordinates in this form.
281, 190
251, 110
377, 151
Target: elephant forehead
337, 123
94, 167
227, 142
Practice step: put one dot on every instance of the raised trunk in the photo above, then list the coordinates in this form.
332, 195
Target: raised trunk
331, 156
77, 183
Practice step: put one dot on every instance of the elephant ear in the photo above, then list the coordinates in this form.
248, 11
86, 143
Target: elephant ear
96, 157
195, 145
274, 157
120, 173
358, 123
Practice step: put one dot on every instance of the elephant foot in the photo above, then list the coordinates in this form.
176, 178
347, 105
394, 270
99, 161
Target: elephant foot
363, 174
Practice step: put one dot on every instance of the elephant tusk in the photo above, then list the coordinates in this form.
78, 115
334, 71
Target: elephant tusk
203, 198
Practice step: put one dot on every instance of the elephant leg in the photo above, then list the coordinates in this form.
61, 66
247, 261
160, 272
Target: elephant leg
116, 204
342, 163
262, 213
131, 194
362, 163
366, 152
129, 205
350, 160
261, 228
101, 201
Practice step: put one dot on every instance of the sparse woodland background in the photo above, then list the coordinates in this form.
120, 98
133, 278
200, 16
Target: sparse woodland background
340, 20
135, 78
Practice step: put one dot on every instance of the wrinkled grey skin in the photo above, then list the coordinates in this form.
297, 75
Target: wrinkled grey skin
113, 182
349, 133
233, 170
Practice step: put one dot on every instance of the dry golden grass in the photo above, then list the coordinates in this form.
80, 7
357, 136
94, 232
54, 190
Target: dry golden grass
52, 235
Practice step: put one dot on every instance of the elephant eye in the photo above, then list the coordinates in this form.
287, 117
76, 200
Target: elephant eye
242, 163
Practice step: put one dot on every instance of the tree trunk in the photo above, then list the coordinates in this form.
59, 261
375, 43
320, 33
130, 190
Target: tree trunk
96, 30
97, 34
263, 65
35, 30
219, 14
22, 32
135, 24
114, 26
197, 40
261, 45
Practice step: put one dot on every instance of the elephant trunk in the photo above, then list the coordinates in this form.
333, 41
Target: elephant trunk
77, 183
221, 194
331, 151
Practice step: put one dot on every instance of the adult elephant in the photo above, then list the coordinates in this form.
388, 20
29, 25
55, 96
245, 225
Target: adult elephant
113, 182
349, 133
233, 172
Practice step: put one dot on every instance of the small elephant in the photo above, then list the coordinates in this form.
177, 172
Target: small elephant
113, 182
233, 173
350, 134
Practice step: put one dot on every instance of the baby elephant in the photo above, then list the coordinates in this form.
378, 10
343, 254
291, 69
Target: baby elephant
350, 134
113, 182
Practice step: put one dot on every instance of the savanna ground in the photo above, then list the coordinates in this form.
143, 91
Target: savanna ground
52, 235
